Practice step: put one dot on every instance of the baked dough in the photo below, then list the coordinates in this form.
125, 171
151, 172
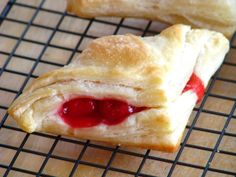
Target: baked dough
149, 72
217, 15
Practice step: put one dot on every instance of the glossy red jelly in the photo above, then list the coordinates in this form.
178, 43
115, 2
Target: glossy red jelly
88, 112
195, 84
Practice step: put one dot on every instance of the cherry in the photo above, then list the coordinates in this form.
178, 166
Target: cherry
114, 111
80, 112
79, 107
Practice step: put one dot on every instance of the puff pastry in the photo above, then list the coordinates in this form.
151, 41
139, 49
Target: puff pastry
217, 15
148, 72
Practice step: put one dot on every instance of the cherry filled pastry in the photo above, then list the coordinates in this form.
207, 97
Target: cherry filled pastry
126, 89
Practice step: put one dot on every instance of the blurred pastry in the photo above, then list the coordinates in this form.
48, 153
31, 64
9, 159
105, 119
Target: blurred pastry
217, 15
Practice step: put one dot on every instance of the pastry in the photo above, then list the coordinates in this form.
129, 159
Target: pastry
126, 89
217, 15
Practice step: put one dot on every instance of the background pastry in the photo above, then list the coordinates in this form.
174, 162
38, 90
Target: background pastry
141, 73
217, 15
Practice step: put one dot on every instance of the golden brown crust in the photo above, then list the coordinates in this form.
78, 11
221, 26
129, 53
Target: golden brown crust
215, 15
117, 52
125, 51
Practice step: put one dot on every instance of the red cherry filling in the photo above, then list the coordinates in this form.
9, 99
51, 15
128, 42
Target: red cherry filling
88, 112
80, 112
114, 111
79, 107
195, 84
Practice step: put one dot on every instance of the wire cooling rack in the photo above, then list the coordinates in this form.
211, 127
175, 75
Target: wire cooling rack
37, 36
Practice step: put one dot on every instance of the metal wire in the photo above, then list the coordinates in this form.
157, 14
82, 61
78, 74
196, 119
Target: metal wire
79, 160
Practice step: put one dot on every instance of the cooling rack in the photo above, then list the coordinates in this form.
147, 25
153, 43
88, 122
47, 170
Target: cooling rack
37, 36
